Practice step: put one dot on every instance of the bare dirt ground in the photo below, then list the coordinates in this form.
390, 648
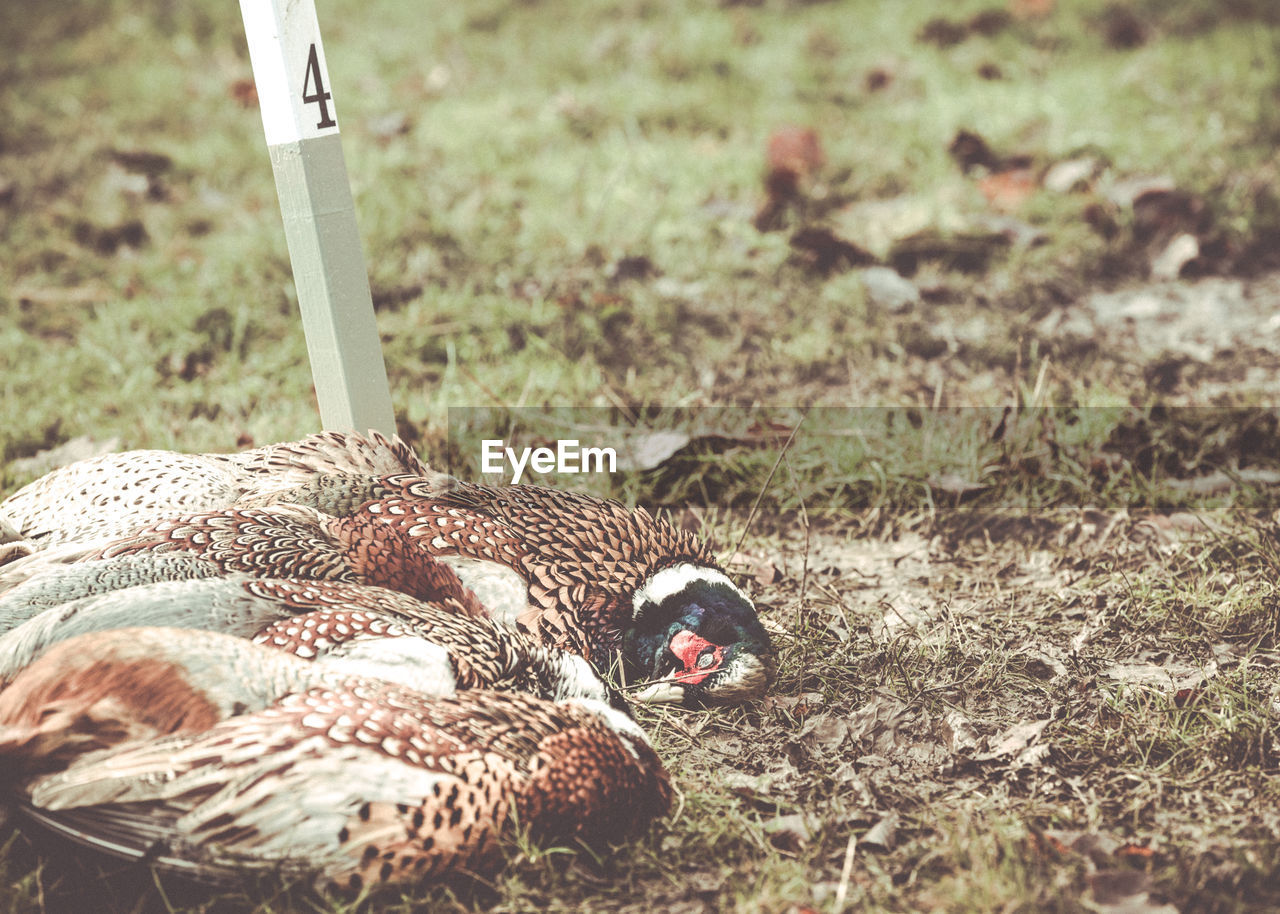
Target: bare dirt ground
1049, 691
1202, 342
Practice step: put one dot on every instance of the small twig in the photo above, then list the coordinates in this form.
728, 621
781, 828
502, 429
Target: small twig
804, 523
619, 403
846, 872
765, 488
675, 817
1038, 390
164, 897
625, 686
470, 376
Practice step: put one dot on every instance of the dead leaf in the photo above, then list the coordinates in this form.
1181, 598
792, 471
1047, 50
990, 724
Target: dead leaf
1008, 191
1125, 192
959, 732
747, 786
883, 833
1125, 892
774, 432
758, 565
244, 91
767, 573
876, 721
788, 833
1169, 263
1166, 675
793, 155
651, 450
1014, 740
888, 290
1113, 890
1070, 174
955, 484
798, 705
1182, 526
824, 733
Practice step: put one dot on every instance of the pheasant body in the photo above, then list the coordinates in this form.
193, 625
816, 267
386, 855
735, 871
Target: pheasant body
581, 573
363, 780
280, 541
598, 579
114, 494
428, 646
55, 585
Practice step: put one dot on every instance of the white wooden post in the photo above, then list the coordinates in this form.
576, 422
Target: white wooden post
301, 124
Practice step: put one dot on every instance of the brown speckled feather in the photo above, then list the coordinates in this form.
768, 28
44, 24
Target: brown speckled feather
433, 646
581, 557
113, 494
290, 541
482, 654
577, 572
580, 573
364, 781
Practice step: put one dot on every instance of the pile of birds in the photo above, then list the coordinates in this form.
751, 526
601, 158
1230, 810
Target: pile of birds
324, 658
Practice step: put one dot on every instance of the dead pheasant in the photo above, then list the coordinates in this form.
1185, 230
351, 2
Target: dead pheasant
112, 495
281, 541
430, 647
210, 755
583, 573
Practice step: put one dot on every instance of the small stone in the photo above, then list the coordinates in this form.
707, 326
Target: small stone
886, 289
1177, 254
1070, 174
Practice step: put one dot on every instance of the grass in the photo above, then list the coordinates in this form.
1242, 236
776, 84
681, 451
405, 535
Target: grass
557, 206
534, 158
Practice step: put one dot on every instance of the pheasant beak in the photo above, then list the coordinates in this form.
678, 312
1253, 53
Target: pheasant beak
688, 660
697, 658
663, 692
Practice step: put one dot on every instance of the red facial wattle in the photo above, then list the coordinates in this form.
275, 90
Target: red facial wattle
693, 653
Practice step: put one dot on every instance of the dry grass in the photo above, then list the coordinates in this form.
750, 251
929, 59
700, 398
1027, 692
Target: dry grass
1028, 659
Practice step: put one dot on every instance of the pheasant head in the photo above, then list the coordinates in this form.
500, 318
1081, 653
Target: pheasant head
697, 637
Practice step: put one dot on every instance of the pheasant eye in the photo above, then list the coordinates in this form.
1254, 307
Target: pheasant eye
706, 658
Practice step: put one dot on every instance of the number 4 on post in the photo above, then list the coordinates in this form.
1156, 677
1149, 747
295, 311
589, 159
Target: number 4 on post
317, 94
300, 121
